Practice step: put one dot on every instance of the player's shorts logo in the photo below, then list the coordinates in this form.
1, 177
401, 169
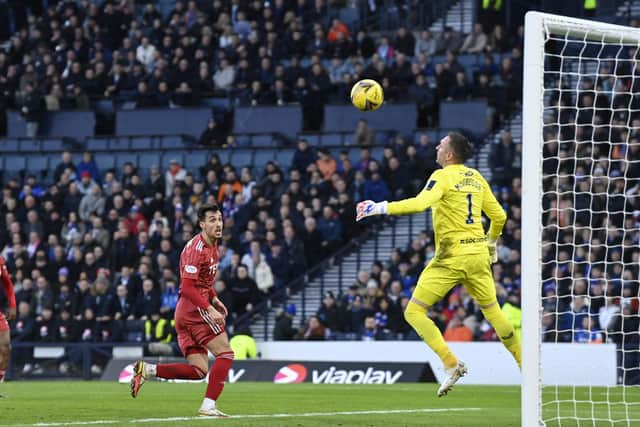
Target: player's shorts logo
191, 269
294, 373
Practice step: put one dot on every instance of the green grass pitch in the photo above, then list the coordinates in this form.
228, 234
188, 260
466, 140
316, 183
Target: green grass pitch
264, 404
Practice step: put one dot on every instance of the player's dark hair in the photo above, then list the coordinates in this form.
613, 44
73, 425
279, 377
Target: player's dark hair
202, 210
461, 146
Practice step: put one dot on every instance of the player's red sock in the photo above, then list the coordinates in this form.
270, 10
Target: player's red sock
219, 372
183, 371
1, 375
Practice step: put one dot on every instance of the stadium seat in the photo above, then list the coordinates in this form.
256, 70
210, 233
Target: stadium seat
284, 157
105, 161
38, 164
119, 144
377, 153
146, 160
9, 145
243, 140
29, 145
142, 143
354, 156
193, 160
55, 145
97, 144
124, 157
332, 139
169, 142
14, 163
224, 155
313, 139
262, 141
240, 158
260, 159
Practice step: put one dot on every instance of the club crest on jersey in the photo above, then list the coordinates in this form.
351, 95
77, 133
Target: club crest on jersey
430, 185
190, 269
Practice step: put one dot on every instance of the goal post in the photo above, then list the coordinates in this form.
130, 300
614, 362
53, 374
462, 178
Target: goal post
581, 111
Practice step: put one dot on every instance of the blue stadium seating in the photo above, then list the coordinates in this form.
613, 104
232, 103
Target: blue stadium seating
168, 142
37, 164
262, 140
332, 139
119, 144
223, 155
148, 159
124, 157
104, 161
193, 160
54, 145
284, 157
142, 143
9, 145
260, 158
29, 145
97, 144
14, 163
312, 138
241, 157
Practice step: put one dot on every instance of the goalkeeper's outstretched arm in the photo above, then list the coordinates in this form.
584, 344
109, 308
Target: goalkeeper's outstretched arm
429, 195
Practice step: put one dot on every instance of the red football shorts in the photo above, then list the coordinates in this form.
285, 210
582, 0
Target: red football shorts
4, 325
195, 329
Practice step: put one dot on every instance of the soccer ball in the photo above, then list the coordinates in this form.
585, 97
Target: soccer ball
367, 95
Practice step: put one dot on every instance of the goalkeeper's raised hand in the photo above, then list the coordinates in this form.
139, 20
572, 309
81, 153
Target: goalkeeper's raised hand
370, 208
493, 249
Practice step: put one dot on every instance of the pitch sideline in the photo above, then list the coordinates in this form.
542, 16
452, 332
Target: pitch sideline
246, 416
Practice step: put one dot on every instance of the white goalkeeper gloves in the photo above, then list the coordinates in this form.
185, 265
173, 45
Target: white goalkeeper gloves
370, 208
493, 249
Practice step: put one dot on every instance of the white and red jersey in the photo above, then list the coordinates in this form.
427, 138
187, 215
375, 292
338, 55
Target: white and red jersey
199, 263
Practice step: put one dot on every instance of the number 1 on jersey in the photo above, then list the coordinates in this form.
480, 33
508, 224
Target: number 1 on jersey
470, 217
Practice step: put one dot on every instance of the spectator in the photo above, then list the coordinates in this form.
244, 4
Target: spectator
314, 330
88, 164
326, 164
31, 107
376, 189
426, 44
365, 135
92, 204
329, 314
449, 41
371, 332
283, 329
244, 291
476, 41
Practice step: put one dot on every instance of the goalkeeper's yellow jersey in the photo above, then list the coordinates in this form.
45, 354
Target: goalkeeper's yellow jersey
457, 195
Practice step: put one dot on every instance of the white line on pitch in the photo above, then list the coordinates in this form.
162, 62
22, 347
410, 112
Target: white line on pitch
246, 416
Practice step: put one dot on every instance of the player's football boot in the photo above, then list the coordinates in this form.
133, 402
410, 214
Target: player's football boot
213, 413
139, 377
453, 375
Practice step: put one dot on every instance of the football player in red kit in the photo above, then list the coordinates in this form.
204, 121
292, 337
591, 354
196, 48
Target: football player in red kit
199, 318
5, 336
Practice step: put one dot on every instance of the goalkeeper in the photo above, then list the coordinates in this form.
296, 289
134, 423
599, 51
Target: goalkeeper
457, 195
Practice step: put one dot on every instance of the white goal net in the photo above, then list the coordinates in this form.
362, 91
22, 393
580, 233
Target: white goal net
581, 205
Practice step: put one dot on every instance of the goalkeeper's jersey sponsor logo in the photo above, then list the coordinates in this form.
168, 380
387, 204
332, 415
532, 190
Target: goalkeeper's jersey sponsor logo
472, 240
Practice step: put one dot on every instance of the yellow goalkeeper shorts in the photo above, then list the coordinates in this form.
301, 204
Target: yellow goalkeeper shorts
472, 271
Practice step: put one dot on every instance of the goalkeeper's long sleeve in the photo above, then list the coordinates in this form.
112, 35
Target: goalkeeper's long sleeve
494, 211
432, 193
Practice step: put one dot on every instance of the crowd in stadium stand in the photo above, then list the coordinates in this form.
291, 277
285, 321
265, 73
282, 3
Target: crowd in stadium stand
259, 53
94, 251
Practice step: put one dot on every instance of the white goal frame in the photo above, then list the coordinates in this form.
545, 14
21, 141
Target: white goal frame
536, 23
